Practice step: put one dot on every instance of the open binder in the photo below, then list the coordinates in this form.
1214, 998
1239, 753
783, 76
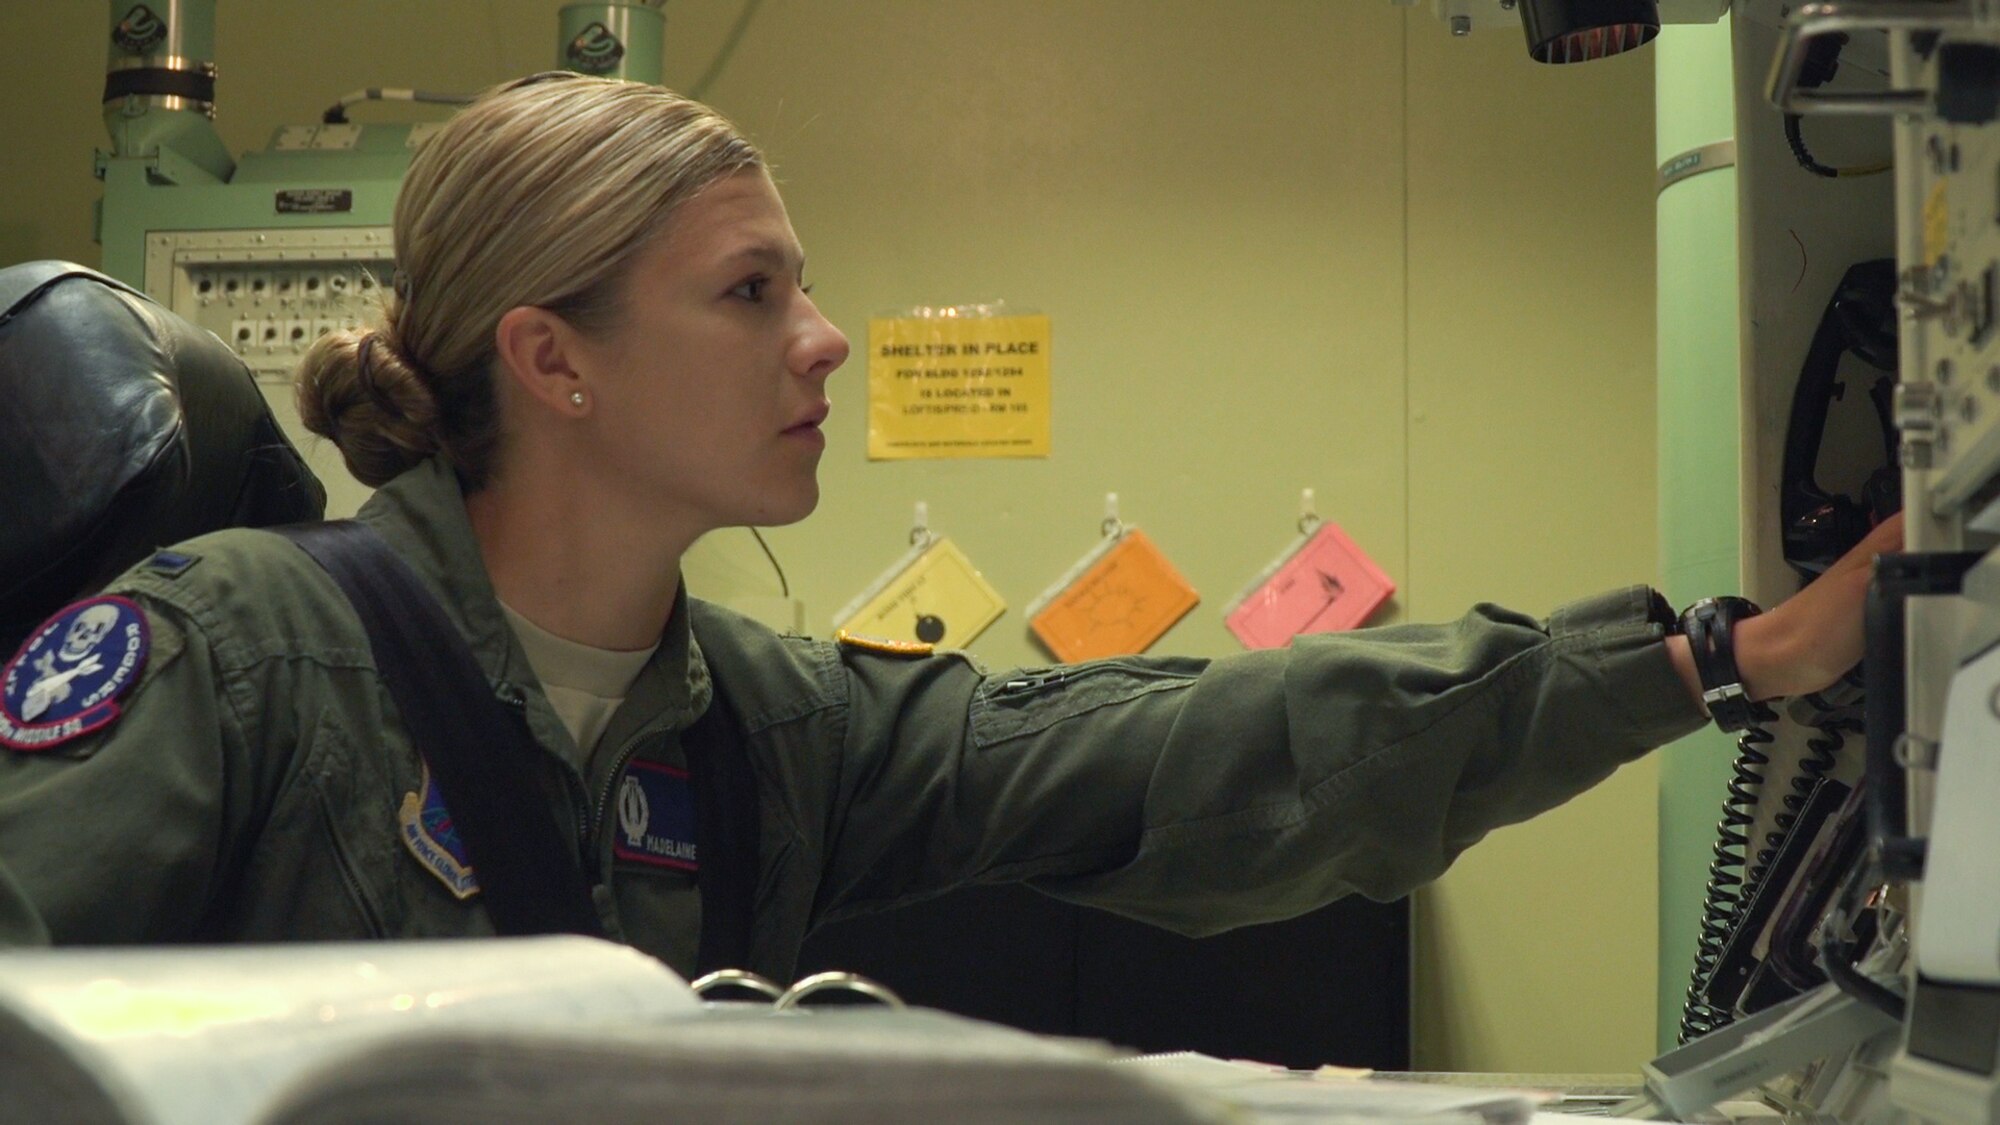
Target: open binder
498, 1030
565, 1027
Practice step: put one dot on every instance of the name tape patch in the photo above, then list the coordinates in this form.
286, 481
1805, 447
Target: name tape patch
64, 683
656, 822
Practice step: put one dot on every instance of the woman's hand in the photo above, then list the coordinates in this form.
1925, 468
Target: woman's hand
1812, 638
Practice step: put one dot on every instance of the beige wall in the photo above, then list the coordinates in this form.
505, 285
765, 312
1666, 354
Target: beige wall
1531, 478
1284, 244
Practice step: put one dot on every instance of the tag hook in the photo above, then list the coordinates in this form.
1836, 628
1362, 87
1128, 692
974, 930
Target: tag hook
1309, 520
1112, 525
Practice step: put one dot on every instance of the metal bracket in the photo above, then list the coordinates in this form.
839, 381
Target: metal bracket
1914, 753
1754, 1050
1837, 17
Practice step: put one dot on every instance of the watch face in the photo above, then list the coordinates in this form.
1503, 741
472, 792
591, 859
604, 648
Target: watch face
1711, 609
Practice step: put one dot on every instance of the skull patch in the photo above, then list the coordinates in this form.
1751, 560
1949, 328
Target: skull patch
65, 681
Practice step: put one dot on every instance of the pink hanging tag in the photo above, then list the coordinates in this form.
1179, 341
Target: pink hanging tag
1323, 584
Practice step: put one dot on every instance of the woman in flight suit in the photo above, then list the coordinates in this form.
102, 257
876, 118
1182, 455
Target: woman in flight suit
599, 347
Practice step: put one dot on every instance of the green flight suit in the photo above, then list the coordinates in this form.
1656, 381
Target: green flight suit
251, 789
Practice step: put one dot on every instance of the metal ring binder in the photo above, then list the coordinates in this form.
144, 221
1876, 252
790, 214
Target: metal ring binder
843, 982
736, 978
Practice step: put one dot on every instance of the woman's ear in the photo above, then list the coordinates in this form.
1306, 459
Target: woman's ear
542, 353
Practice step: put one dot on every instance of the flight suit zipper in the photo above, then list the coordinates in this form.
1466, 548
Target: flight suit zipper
510, 695
1077, 676
1031, 681
345, 865
601, 812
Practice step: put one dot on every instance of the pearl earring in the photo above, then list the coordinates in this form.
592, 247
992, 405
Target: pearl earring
576, 398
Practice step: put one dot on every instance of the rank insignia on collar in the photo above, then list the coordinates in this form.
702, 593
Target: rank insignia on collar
171, 563
887, 646
428, 833
64, 683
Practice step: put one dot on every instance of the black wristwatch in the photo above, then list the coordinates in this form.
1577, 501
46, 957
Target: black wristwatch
1709, 625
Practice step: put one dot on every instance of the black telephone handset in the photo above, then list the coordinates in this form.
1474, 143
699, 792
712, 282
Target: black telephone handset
1740, 915
1819, 526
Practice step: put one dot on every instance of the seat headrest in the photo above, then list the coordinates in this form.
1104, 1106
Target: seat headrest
126, 428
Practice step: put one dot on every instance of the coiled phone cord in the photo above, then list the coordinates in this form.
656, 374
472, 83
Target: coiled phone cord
1727, 887
1833, 726
1731, 881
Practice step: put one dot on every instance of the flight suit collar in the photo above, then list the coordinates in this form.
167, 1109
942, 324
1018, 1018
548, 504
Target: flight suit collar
421, 514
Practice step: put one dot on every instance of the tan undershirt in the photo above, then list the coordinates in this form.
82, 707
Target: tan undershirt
584, 684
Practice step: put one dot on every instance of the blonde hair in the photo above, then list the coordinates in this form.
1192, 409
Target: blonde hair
541, 192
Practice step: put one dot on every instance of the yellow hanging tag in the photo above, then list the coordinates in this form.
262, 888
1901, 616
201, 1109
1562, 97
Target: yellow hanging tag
1119, 599
931, 596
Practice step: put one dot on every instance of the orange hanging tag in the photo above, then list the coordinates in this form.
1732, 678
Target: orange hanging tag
1120, 599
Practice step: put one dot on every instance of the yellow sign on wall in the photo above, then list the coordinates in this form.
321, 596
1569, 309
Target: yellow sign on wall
958, 386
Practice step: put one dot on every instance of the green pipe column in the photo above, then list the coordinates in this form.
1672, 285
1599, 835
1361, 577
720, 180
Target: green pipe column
165, 36
1698, 449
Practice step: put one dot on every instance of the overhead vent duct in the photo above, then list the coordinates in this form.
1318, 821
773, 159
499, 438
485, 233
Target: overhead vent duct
1573, 31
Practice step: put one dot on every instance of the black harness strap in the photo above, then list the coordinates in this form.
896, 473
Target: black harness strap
726, 824
481, 756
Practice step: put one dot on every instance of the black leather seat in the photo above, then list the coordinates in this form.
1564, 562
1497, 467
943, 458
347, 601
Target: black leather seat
125, 428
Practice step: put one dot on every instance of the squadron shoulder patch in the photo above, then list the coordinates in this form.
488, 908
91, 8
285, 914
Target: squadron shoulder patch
428, 833
886, 646
65, 682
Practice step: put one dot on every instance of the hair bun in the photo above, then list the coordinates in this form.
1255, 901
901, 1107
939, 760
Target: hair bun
357, 389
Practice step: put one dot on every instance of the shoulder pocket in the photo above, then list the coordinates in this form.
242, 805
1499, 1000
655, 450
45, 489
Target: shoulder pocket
343, 869
1031, 700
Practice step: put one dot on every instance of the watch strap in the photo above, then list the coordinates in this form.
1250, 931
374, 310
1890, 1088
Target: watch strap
1709, 625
